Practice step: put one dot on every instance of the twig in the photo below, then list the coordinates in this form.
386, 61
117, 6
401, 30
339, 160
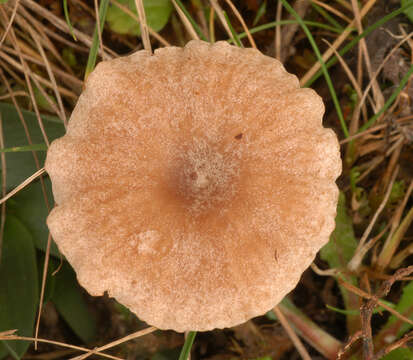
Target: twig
406, 338
399, 275
353, 338
293, 336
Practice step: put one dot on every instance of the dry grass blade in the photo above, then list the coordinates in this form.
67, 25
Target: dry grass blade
221, 17
186, 22
52, 78
355, 262
143, 25
27, 73
63, 26
153, 33
332, 10
337, 43
347, 70
117, 342
363, 133
99, 27
373, 77
15, 94
292, 335
398, 259
16, 65
241, 20
277, 38
44, 277
23, 185
9, 336
10, 23
31, 22
61, 74
378, 96
211, 25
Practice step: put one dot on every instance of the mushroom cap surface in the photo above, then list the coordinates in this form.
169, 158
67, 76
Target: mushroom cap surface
194, 185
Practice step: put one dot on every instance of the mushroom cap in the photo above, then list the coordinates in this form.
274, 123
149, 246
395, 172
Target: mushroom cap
194, 185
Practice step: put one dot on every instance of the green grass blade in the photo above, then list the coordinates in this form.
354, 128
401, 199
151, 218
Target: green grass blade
353, 42
12, 353
327, 16
33, 147
390, 100
235, 36
67, 17
273, 24
191, 20
186, 349
323, 66
91, 62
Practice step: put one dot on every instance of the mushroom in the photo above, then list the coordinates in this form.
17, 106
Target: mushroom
194, 185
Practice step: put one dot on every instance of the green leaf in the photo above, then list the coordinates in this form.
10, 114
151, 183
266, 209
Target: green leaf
343, 243
70, 303
408, 12
399, 354
18, 284
29, 204
30, 207
157, 15
20, 165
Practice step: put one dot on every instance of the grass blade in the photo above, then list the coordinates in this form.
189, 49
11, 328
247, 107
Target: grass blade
389, 101
323, 66
191, 20
353, 42
67, 17
186, 349
33, 147
91, 62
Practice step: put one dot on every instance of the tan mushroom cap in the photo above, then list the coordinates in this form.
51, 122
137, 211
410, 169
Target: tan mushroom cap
194, 185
